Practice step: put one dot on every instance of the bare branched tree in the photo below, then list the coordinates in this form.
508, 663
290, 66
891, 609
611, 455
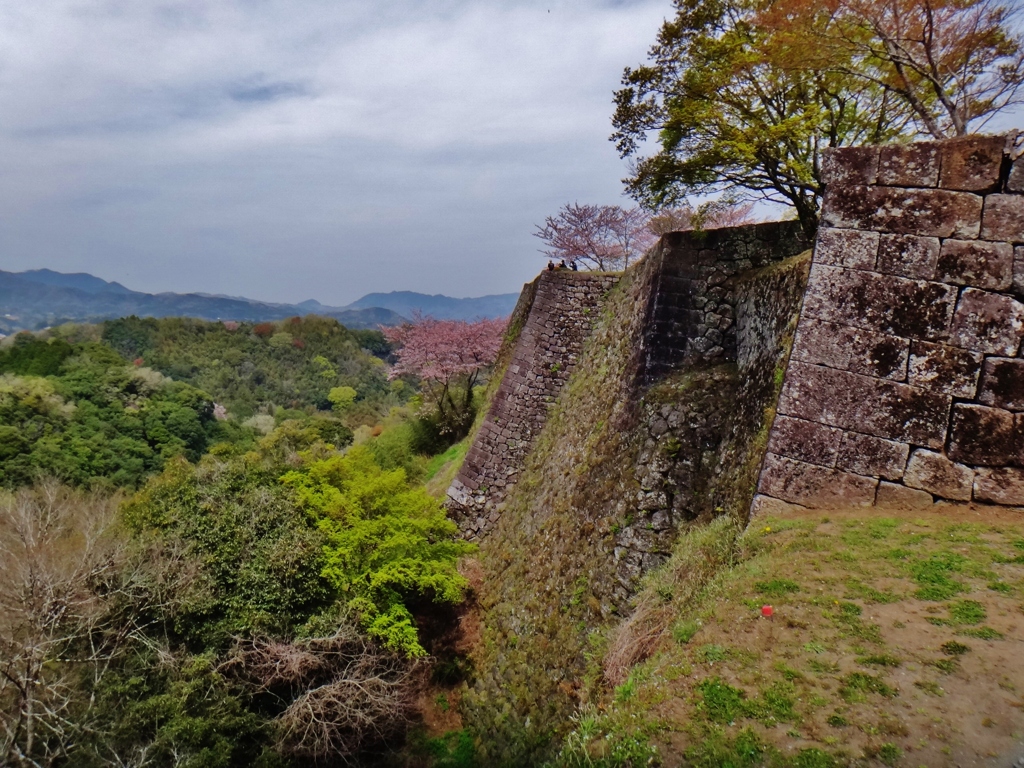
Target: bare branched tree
56, 549
342, 693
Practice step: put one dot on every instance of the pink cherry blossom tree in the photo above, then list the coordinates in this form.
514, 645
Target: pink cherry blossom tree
449, 357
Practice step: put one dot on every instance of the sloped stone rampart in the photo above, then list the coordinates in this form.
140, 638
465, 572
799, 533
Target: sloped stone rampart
561, 314
906, 382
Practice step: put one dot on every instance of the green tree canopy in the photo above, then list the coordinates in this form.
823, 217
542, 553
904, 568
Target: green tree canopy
735, 111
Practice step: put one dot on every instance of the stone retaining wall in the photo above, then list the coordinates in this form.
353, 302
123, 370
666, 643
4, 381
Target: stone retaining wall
560, 317
906, 382
692, 314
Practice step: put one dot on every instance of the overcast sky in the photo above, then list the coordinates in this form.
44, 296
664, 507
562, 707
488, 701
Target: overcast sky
294, 149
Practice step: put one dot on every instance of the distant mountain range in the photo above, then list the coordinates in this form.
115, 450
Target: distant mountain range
41, 297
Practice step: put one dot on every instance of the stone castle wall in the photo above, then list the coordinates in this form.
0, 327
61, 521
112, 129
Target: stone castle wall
690, 304
906, 381
561, 311
692, 312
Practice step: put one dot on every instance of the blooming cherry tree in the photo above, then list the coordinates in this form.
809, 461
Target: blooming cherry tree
448, 356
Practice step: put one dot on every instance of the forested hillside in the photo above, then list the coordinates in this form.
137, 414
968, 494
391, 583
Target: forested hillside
198, 567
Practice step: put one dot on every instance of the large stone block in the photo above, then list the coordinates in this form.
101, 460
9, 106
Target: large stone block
1004, 485
862, 404
851, 349
908, 256
972, 163
988, 322
976, 262
896, 306
813, 486
933, 472
846, 248
942, 368
873, 456
925, 212
1003, 218
850, 165
1002, 383
1018, 270
983, 436
909, 165
1016, 181
804, 440
896, 496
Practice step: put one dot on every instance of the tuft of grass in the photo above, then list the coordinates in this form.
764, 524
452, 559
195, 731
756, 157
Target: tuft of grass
889, 753
982, 633
967, 612
947, 666
683, 631
721, 703
953, 648
716, 751
880, 660
814, 758
776, 587
1001, 586
857, 685
837, 721
712, 652
933, 576
930, 687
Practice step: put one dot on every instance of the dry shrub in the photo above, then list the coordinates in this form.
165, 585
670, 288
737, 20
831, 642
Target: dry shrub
345, 694
701, 555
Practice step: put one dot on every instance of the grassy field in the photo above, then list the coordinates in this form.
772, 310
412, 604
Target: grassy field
896, 639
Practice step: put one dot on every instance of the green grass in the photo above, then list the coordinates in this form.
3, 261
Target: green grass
456, 454
967, 612
776, 587
934, 579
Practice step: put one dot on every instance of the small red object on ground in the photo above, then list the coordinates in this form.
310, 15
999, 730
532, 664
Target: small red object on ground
767, 611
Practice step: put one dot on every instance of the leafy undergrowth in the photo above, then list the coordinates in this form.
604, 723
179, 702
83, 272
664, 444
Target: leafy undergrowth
896, 639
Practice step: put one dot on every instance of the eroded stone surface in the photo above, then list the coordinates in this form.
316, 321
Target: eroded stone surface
851, 248
926, 212
1003, 218
972, 162
849, 165
1002, 383
852, 349
983, 436
913, 165
1016, 181
908, 256
1018, 270
805, 440
813, 486
976, 262
862, 404
1003, 485
936, 474
872, 456
896, 306
988, 322
942, 368
895, 496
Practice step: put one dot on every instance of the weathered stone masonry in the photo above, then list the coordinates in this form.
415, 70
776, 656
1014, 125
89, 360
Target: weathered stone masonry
906, 381
561, 315
691, 316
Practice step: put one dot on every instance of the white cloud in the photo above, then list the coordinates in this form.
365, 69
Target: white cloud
168, 143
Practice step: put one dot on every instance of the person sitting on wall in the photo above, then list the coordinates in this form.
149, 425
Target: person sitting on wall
551, 266
563, 265
572, 266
